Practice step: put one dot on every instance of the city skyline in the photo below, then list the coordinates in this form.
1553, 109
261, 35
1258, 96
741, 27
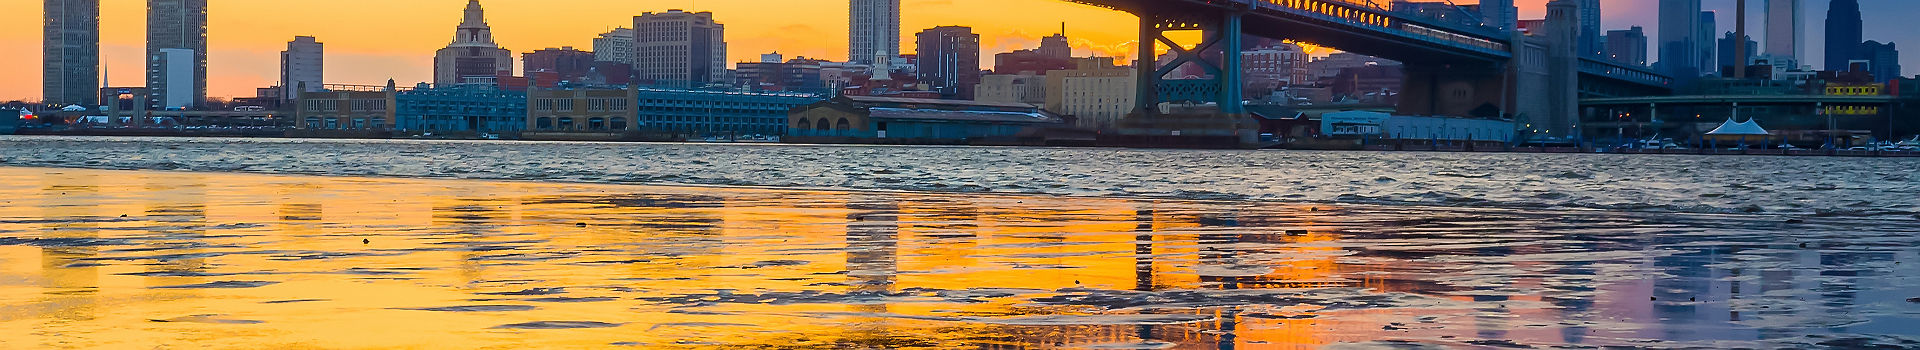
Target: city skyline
243, 60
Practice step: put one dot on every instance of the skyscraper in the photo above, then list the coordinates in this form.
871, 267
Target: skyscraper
873, 30
1784, 26
472, 52
1679, 48
70, 55
679, 49
949, 60
1709, 61
1883, 59
302, 67
1590, 32
1843, 33
1628, 46
174, 25
1500, 14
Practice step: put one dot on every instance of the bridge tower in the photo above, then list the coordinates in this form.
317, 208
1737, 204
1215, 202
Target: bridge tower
1191, 121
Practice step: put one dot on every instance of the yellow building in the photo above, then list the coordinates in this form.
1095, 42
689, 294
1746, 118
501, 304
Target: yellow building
1096, 95
346, 107
581, 110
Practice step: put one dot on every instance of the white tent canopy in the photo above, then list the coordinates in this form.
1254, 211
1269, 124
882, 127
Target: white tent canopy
1737, 129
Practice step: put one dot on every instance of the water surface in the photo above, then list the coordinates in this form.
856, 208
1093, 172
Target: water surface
122, 259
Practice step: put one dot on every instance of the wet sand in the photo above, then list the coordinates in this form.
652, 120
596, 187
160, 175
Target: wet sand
145, 259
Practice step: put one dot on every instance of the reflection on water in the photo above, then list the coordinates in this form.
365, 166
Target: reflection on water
215, 260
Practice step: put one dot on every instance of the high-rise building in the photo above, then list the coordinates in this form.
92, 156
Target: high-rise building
1883, 59
1709, 56
1679, 47
1627, 46
174, 65
614, 46
302, 67
177, 25
70, 53
949, 60
873, 30
1590, 33
1843, 33
1784, 25
1054, 54
472, 52
565, 62
1500, 14
679, 49
1727, 57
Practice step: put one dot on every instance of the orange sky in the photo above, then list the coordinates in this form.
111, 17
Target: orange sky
369, 41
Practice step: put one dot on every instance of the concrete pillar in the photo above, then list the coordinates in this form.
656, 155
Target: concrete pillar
1230, 70
1147, 96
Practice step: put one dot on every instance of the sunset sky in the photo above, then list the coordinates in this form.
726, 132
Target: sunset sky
369, 41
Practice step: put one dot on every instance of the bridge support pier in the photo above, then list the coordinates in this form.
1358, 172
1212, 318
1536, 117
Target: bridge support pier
1188, 123
1455, 90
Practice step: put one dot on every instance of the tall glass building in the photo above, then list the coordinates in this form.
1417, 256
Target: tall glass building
70, 69
172, 26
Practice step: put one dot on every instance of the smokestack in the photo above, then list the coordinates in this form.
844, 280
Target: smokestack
1740, 40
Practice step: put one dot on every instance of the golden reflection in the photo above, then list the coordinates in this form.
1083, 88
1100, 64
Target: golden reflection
214, 260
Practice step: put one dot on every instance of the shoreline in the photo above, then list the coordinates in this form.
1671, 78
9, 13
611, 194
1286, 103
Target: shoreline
1404, 146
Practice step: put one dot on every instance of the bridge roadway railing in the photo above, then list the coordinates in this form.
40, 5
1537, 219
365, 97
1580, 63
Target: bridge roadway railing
1373, 16
1595, 65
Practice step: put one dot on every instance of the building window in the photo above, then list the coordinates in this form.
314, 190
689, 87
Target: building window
843, 125
597, 124
544, 123
618, 123
804, 124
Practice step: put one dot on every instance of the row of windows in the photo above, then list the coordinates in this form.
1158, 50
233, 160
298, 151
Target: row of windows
354, 105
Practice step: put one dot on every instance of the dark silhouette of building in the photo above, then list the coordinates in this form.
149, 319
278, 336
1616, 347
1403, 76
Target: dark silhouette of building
1627, 46
1054, 54
566, 63
1883, 60
949, 60
1728, 59
1843, 33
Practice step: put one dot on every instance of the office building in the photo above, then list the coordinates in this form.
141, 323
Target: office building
473, 53
1784, 26
1096, 94
172, 26
1627, 46
566, 63
1883, 60
1709, 54
1011, 88
679, 49
873, 30
1590, 33
614, 46
949, 60
302, 67
1679, 49
1843, 34
70, 53
173, 66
